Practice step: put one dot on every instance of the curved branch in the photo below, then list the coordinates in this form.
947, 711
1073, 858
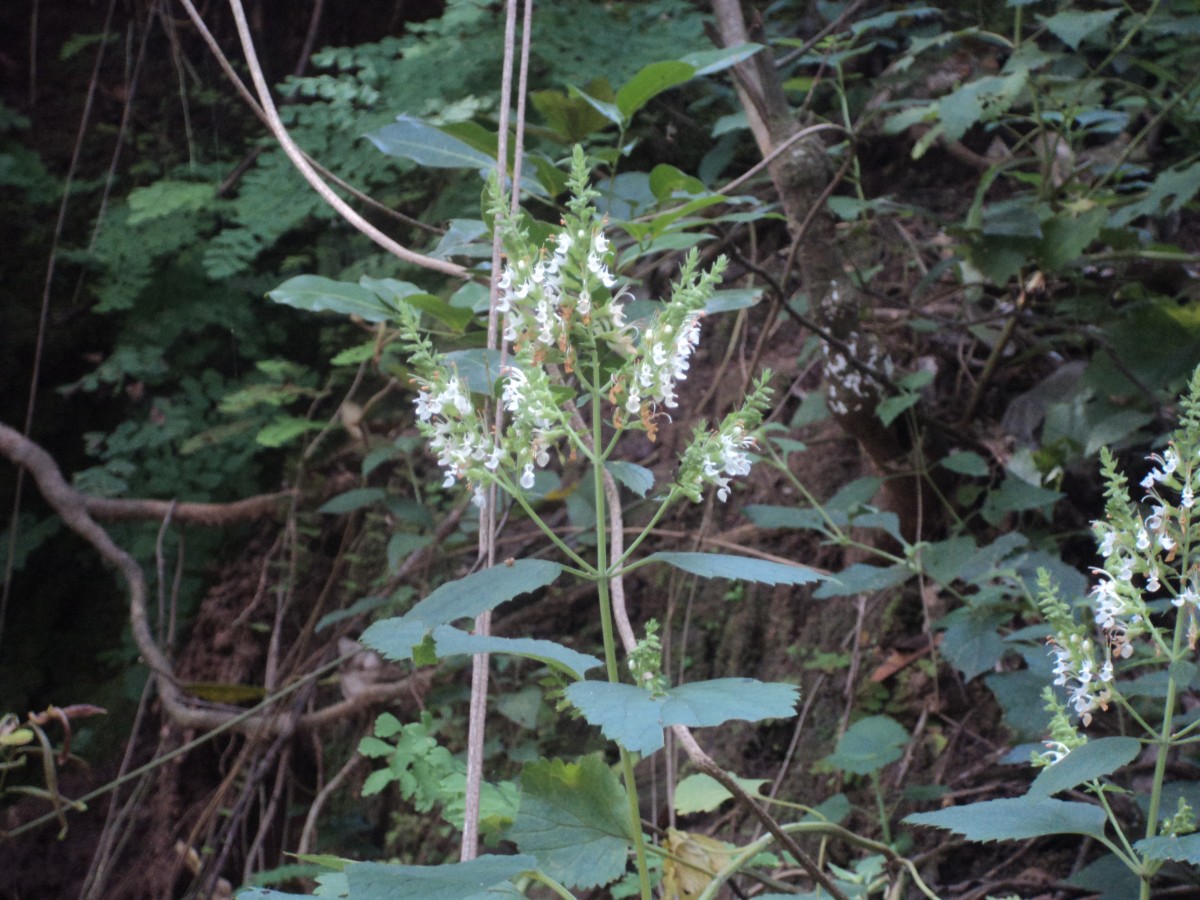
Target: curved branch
74, 508
305, 168
214, 514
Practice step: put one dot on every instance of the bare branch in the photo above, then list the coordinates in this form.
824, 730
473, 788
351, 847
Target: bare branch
305, 168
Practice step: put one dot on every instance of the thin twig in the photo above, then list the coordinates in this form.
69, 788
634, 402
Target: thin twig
280, 133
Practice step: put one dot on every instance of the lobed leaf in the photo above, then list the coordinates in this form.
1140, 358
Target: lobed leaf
745, 568
635, 718
574, 818
483, 878
1016, 819
1093, 760
315, 293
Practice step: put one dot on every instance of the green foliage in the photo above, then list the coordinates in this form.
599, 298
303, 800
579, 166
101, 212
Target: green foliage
1017, 818
868, 745
636, 718
574, 820
428, 775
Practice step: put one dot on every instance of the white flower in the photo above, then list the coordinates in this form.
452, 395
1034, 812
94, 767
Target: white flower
1188, 498
1109, 542
1056, 751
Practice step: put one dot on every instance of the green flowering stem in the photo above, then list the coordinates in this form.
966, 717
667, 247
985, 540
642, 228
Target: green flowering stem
610, 647
619, 566
1164, 740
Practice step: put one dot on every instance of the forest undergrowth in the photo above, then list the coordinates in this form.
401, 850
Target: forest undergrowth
786, 491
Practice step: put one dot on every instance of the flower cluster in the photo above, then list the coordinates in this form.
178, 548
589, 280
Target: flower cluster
1146, 551
449, 420
1063, 736
564, 313
540, 303
714, 457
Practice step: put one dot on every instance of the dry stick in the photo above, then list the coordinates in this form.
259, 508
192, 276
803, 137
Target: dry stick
44, 315
477, 714
294, 153
314, 809
248, 98
71, 506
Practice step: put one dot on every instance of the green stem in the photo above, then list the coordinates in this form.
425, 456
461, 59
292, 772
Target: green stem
884, 825
645, 532
543, 878
605, 569
589, 570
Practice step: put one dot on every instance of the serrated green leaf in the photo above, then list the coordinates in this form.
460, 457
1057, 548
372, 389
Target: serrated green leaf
1016, 819
649, 82
868, 745
767, 516
1181, 848
744, 568
352, 500
469, 596
972, 641
862, 578
410, 138
464, 598
483, 878
635, 718
315, 293
574, 818
637, 478
703, 793
1095, 759
452, 641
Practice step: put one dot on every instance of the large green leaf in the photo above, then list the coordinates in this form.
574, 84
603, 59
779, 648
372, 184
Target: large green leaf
1016, 819
425, 145
767, 516
649, 82
394, 292
574, 818
868, 745
314, 293
467, 597
452, 641
636, 718
972, 641
706, 62
745, 568
1095, 759
483, 878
